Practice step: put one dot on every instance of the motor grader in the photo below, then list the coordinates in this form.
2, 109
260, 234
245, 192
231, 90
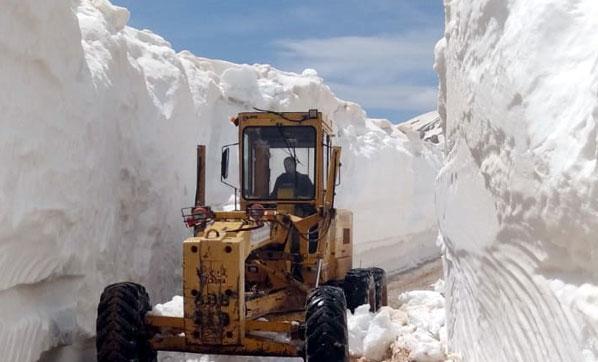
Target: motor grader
274, 276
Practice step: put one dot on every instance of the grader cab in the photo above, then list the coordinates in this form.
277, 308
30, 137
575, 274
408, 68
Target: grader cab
273, 277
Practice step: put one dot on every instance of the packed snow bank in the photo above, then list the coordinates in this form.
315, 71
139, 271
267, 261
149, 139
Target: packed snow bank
517, 199
99, 126
387, 185
426, 127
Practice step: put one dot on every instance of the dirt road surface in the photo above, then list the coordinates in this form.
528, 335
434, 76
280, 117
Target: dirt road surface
420, 278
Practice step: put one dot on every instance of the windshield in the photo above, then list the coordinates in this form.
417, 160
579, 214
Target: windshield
279, 162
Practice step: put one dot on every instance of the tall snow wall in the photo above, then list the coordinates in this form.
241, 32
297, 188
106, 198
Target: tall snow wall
517, 199
99, 124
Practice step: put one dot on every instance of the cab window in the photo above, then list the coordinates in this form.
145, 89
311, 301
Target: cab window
279, 162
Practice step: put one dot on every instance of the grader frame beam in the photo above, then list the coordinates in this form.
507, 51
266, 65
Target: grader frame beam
253, 346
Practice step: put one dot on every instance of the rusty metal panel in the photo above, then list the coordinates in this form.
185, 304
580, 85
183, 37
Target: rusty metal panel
344, 232
343, 265
343, 243
346, 236
272, 303
271, 326
159, 321
190, 286
200, 187
214, 286
255, 346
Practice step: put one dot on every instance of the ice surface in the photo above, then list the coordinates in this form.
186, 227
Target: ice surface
517, 198
99, 126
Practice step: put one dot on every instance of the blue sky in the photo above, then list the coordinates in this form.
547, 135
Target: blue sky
378, 53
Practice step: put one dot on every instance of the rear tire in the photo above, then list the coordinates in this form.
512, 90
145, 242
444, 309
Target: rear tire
121, 335
360, 289
380, 286
326, 336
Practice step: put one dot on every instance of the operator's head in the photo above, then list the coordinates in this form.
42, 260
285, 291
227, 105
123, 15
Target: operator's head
289, 165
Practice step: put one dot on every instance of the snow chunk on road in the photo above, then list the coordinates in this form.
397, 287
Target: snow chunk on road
370, 335
414, 332
172, 308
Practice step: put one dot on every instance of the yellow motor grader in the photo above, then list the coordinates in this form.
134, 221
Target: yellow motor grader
273, 277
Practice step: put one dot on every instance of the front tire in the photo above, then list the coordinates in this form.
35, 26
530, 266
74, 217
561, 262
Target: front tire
121, 334
326, 336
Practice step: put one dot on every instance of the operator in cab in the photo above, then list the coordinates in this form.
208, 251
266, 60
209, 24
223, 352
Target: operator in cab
301, 185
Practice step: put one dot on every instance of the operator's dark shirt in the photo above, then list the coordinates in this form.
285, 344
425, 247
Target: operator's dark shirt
303, 188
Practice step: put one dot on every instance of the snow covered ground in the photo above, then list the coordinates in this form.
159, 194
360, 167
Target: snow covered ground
413, 332
517, 197
99, 126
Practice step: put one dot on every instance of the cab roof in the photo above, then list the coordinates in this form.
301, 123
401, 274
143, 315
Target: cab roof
296, 118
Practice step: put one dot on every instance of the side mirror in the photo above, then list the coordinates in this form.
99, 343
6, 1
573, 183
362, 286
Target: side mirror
224, 164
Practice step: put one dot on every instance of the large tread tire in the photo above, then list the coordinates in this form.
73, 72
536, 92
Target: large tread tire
326, 336
360, 289
380, 286
121, 334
